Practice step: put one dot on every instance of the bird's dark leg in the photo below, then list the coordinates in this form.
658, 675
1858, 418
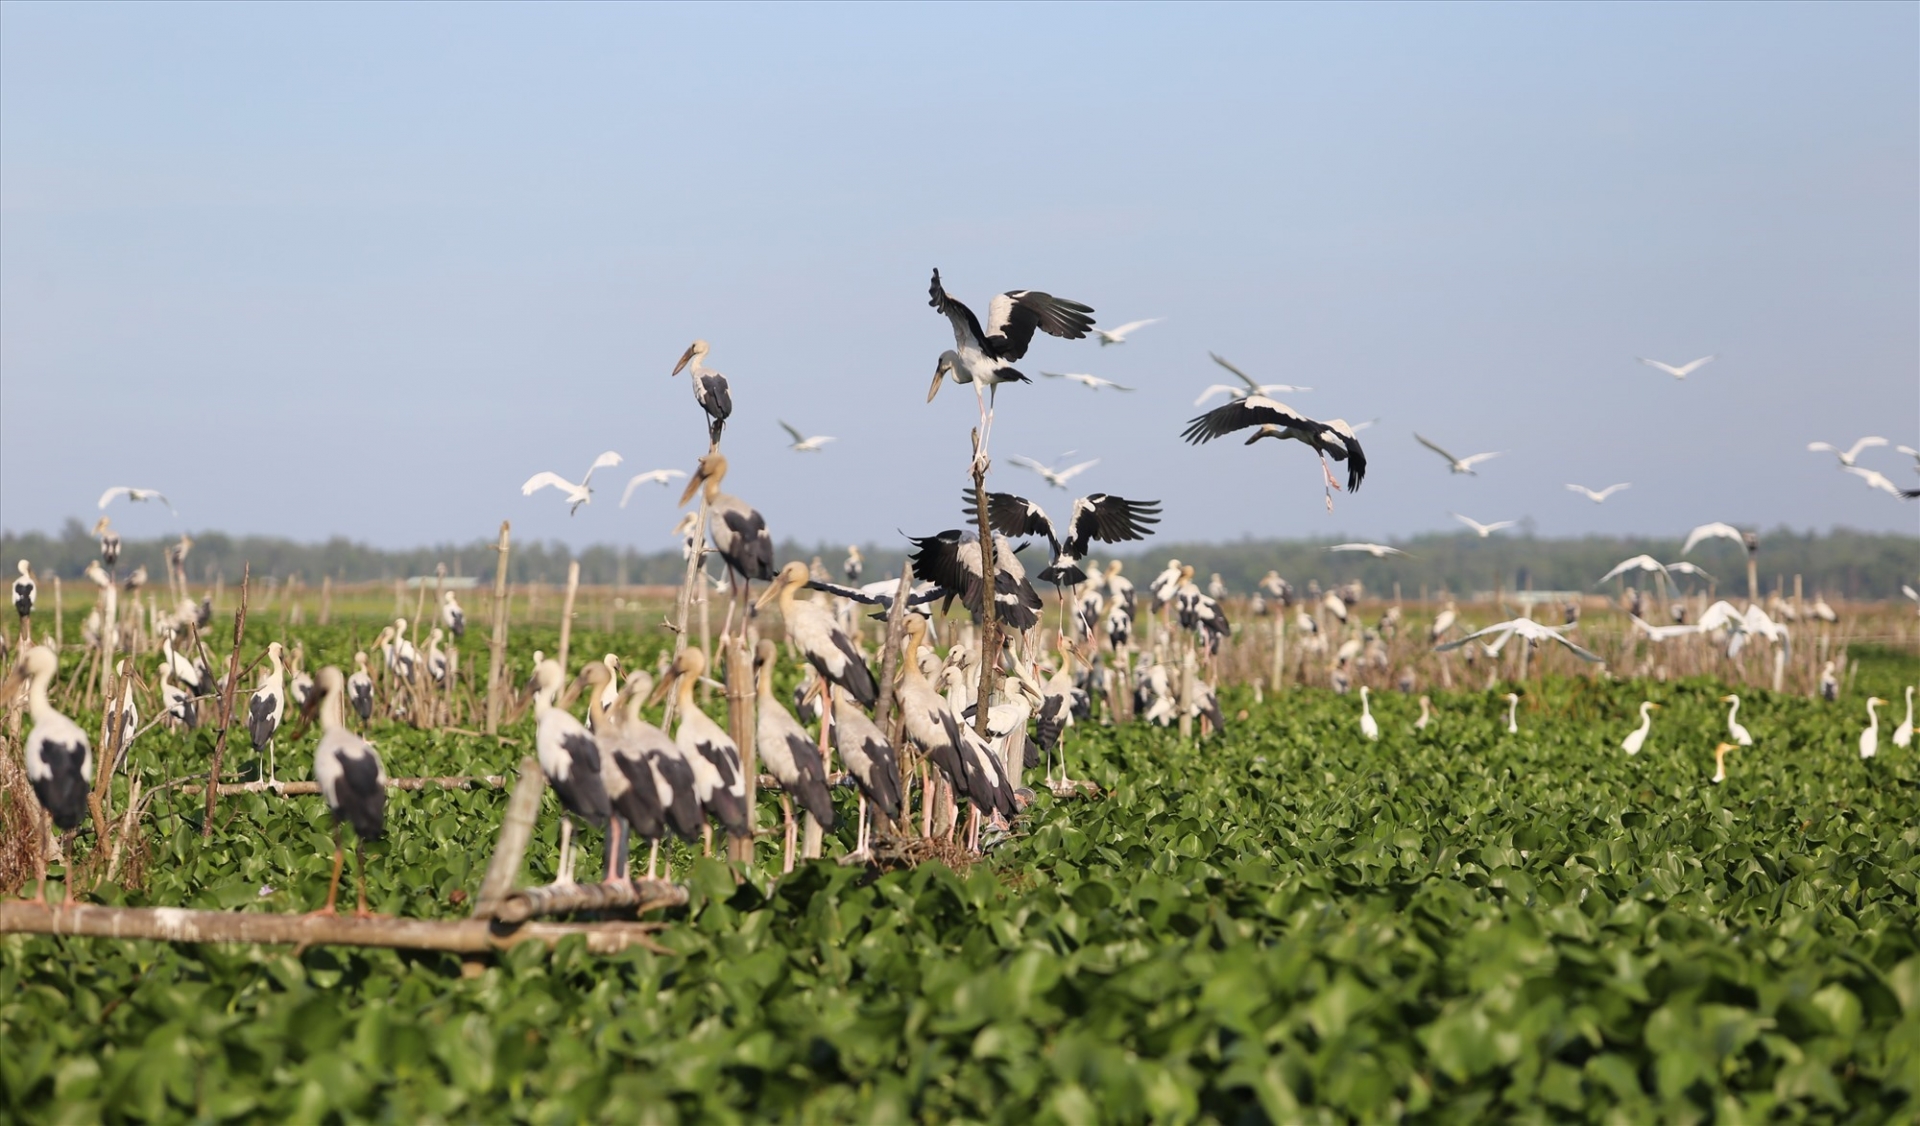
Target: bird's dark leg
860, 827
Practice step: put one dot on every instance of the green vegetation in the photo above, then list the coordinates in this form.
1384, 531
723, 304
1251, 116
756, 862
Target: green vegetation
1285, 922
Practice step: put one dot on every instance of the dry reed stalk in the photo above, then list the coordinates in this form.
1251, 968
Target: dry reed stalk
226, 701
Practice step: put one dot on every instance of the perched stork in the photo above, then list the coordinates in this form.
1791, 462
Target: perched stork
1680, 372
1246, 387
928, 722
1637, 738
570, 759
436, 657
680, 803
137, 496
352, 780
739, 533
709, 389
109, 542
871, 761
802, 443
23, 591
720, 780
984, 356
360, 688
1457, 465
177, 703
452, 616
59, 757
575, 495
1277, 420
267, 704
951, 561
811, 629
1599, 496
1119, 335
1096, 516
788, 752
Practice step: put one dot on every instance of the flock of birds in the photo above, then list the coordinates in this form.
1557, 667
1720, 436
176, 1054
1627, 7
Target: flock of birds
618, 771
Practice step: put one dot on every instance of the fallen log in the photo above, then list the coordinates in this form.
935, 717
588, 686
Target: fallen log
454, 936
522, 904
309, 789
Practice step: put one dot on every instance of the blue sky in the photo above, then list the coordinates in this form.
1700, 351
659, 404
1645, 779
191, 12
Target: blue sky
361, 270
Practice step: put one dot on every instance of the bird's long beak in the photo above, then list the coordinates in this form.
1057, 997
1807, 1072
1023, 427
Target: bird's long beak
694, 482
685, 358
660, 690
1654, 706
772, 592
939, 373
573, 691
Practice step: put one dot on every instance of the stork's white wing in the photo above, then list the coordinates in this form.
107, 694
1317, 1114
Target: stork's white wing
1219, 389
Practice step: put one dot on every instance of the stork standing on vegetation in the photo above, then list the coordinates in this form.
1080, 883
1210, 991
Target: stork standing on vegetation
788, 753
811, 629
720, 781
709, 388
360, 688
570, 759
24, 589
352, 780
1637, 738
680, 806
266, 706
59, 757
575, 495
872, 762
452, 616
1829, 683
1457, 465
984, 355
1274, 419
1734, 727
637, 797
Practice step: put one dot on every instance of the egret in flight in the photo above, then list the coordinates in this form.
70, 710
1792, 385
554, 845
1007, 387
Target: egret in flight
1090, 382
1377, 550
1246, 386
576, 495
135, 495
1599, 496
1058, 478
1848, 455
661, 477
1878, 480
803, 444
1119, 335
1457, 464
1681, 372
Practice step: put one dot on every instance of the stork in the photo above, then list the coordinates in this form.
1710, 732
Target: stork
1720, 762
353, 781
637, 797
984, 355
680, 805
360, 688
1096, 516
266, 706
709, 388
23, 591
1637, 738
570, 759
1277, 420
739, 533
452, 616
58, 755
719, 779
951, 561
788, 753
810, 628
109, 542
927, 721
871, 762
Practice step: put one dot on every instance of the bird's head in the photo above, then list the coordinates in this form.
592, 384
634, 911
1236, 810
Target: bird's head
100, 525
1729, 699
793, 576
713, 468
695, 351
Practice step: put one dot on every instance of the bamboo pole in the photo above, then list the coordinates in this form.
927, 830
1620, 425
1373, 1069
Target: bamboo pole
497, 643
516, 829
561, 899
989, 608
740, 705
226, 702
59, 616
170, 924
566, 613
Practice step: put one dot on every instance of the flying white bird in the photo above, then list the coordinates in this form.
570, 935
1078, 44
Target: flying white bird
1119, 335
135, 495
1878, 480
1090, 382
1599, 495
1485, 530
1528, 629
1058, 478
1246, 386
1457, 464
1710, 531
1912, 453
1848, 455
1637, 563
1681, 372
661, 477
1377, 550
576, 495
1685, 568
804, 444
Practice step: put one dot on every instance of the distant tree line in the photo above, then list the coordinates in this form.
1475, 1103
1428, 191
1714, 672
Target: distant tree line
1839, 563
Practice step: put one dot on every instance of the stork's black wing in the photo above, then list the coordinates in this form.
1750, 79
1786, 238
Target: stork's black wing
1254, 410
936, 558
1109, 519
961, 316
1015, 314
1012, 515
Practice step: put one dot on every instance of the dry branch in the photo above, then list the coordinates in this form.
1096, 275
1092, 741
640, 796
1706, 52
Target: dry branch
307, 789
561, 899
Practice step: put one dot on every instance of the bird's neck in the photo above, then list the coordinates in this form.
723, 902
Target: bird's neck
333, 711
38, 706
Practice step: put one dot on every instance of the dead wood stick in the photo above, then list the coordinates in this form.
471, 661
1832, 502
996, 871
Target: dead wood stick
299, 789
516, 829
170, 924
523, 904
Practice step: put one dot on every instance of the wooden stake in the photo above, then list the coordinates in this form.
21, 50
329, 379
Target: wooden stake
497, 644
566, 613
516, 829
226, 702
989, 608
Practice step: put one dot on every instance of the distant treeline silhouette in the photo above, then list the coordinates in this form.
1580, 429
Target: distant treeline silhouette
1840, 563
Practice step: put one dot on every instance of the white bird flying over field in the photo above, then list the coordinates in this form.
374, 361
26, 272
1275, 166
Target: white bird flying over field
1090, 382
1685, 568
1058, 478
1377, 550
983, 355
1456, 464
1599, 496
661, 477
1681, 372
1119, 335
1912, 453
1712, 531
709, 388
1528, 629
576, 495
802, 443
1278, 420
1246, 387
1847, 456
1878, 480
135, 495
1637, 563
1485, 530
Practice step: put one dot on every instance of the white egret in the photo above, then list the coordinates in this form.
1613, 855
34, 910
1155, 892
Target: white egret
1485, 530
135, 495
661, 477
1903, 734
1245, 387
1877, 480
1847, 456
1513, 713
1528, 629
1377, 550
1369, 726
1058, 478
1457, 464
1090, 382
1715, 530
575, 495
1870, 738
1599, 496
1734, 728
802, 443
1119, 335
1680, 372
1637, 738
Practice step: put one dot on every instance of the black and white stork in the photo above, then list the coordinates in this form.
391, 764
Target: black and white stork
637, 795
24, 589
1277, 420
360, 688
680, 805
984, 355
709, 388
739, 532
871, 761
811, 629
452, 616
951, 561
570, 759
352, 780
59, 756
719, 779
788, 753
109, 542
267, 705
1097, 516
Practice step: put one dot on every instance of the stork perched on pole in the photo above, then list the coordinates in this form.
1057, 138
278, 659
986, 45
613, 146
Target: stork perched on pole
983, 355
709, 389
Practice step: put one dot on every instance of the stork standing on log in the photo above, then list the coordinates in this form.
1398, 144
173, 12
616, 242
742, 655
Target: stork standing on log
984, 355
739, 532
571, 761
59, 757
352, 780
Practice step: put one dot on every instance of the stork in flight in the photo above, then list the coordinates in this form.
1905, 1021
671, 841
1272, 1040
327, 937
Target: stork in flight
1377, 550
984, 356
1599, 496
1246, 387
1097, 516
1457, 464
1090, 382
661, 477
803, 444
1058, 478
709, 388
135, 495
1877, 480
1848, 455
1277, 420
576, 495
1681, 372
1485, 530
1119, 335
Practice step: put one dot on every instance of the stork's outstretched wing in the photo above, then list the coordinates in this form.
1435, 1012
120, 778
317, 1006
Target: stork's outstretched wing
1254, 410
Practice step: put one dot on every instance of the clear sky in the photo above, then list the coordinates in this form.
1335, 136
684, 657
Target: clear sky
362, 269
